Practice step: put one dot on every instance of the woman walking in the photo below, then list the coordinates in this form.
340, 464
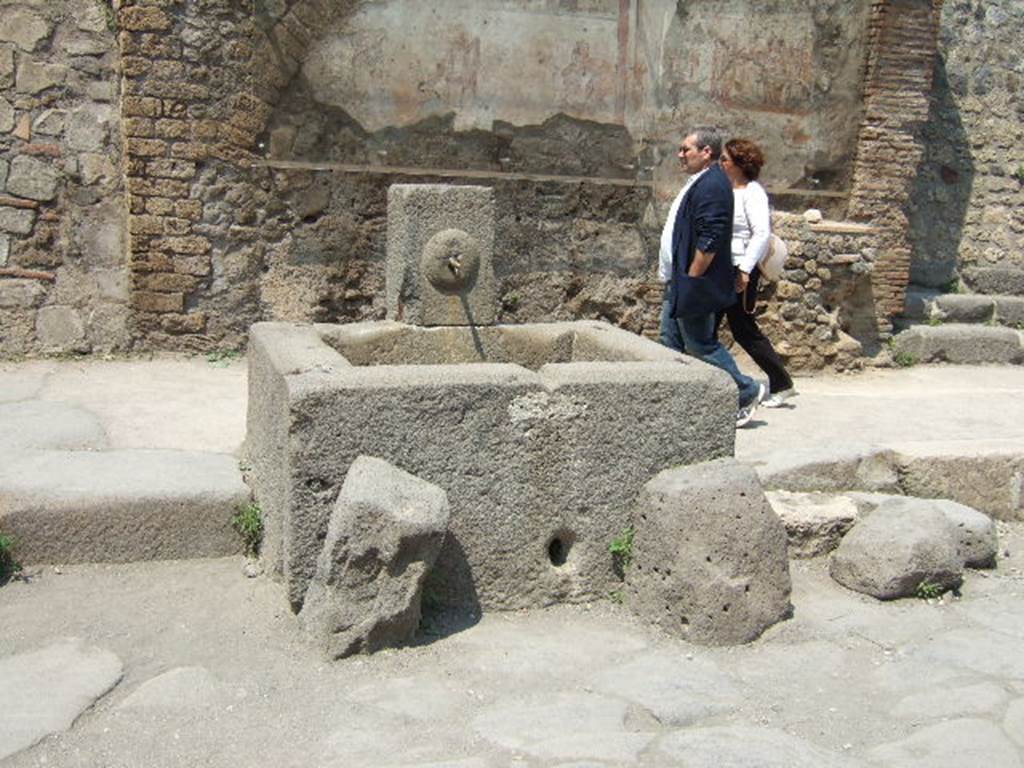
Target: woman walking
751, 232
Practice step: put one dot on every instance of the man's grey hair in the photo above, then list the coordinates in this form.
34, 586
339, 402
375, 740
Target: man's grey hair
708, 136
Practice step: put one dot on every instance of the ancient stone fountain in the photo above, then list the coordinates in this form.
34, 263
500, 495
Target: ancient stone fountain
542, 434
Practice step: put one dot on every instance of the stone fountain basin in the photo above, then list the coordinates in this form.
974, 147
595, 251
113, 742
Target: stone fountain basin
541, 434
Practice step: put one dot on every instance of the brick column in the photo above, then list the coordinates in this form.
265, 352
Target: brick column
902, 44
176, 119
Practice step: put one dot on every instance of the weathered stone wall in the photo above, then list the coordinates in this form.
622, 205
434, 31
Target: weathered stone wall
967, 207
63, 286
821, 313
253, 178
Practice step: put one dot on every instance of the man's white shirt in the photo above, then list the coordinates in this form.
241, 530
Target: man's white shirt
665, 254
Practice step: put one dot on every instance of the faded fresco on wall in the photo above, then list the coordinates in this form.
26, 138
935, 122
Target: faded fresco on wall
786, 74
395, 63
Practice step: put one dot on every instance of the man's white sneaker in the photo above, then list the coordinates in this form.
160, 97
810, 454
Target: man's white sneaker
746, 413
778, 399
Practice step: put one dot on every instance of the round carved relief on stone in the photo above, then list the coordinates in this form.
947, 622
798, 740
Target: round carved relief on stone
451, 261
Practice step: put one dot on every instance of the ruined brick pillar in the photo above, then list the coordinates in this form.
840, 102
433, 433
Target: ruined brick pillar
176, 120
902, 44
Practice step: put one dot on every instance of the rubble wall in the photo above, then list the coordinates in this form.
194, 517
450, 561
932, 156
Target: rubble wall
967, 207
63, 285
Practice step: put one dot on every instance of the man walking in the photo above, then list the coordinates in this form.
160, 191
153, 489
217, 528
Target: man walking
696, 265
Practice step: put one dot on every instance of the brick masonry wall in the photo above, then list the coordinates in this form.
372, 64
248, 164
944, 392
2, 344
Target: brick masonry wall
967, 207
189, 123
898, 79
62, 279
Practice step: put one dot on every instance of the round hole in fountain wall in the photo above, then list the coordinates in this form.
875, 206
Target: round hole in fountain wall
559, 546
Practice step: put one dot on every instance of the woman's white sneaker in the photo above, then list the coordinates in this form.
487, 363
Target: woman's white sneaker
778, 399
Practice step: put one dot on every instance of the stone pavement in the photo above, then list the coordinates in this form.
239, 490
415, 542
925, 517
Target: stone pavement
170, 663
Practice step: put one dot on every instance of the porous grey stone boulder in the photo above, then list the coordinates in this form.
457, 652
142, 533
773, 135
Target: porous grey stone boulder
815, 522
893, 551
974, 533
384, 535
709, 555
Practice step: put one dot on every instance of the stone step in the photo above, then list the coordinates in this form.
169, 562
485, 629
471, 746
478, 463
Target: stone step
987, 476
958, 343
65, 506
1001, 280
932, 307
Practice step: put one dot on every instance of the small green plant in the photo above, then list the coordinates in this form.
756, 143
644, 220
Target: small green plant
617, 596
1018, 174
621, 549
904, 359
928, 590
222, 358
511, 301
8, 565
935, 319
248, 521
899, 357
953, 286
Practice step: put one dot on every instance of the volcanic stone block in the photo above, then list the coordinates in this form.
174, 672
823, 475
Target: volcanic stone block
384, 535
439, 262
960, 343
895, 550
974, 533
709, 555
814, 522
541, 443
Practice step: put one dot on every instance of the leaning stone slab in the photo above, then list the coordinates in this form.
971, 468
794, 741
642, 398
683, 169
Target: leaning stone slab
709, 555
384, 535
120, 506
45, 690
960, 343
893, 551
974, 533
815, 522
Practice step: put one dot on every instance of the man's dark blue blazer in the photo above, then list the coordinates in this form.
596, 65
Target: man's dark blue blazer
704, 221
